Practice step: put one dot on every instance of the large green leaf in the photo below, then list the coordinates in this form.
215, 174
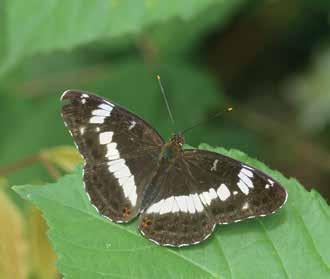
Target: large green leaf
43, 26
294, 243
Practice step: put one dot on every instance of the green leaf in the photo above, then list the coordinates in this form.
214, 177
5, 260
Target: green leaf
294, 243
49, 25
188, 34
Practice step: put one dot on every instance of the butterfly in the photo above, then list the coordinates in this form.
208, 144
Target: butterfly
179, 194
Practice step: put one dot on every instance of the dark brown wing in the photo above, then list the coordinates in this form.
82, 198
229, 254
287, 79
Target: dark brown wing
203, 189
176, 216
232, 190
115, 145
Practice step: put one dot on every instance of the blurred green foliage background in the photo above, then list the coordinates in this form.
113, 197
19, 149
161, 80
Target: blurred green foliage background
270, 60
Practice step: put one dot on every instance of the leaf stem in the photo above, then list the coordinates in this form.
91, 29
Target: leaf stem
28, 161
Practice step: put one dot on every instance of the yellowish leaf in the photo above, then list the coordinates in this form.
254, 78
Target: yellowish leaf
13, 262
3, 182
41, 253
65, 157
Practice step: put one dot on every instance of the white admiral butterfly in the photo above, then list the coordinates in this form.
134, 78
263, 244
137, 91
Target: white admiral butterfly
179, 194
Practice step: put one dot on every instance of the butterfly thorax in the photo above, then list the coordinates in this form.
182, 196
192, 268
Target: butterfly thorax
172, 149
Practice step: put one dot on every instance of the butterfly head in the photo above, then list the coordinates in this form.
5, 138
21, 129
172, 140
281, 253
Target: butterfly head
177, 139
172, 149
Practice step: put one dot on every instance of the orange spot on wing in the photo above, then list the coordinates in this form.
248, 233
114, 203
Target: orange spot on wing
126, 212
146, 222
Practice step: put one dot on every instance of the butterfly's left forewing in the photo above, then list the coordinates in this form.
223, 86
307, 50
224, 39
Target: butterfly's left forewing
115, 144
231, 190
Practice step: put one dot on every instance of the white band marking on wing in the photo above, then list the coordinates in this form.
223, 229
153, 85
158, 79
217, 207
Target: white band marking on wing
105, 137
118, 167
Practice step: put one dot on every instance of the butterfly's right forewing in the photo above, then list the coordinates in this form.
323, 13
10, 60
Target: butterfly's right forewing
120, 151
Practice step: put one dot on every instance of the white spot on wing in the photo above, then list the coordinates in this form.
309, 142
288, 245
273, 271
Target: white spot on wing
213, 194
197, 202
132, 195
202, 199
190, 204
101, 112
122, 180
105, 137
247, 172
155, 208
247, 167
181, 200
129, 185
106, 107
167, 205
115, 162
83, 101
112, 150
82, 130
214, 167
223, 192
113, 156
245, 206
207, 198
243, 187
115, 167
96, 120
175, 207
245, 179
267, 186
133, 123
122, 172
271, 182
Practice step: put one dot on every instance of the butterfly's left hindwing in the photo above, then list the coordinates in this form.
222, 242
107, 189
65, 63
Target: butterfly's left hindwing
176, 216
115, 143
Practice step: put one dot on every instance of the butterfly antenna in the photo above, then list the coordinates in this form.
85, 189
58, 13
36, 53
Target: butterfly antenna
165, 99
220, 113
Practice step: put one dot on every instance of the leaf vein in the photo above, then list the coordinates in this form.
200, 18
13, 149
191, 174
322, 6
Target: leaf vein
224, 256
273, 247
169, 250
311, 240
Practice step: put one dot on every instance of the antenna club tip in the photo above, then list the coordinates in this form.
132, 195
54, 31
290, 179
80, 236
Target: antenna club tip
158, 77
229, 109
